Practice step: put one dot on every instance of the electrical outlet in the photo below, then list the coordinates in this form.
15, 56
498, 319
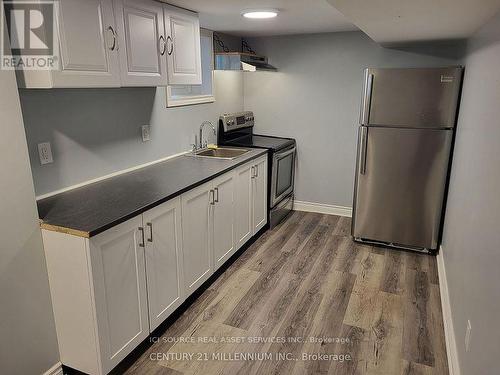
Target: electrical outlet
146, 133
467, 336
45, 153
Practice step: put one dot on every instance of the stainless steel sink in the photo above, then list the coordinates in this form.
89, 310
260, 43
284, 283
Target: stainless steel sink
220, 153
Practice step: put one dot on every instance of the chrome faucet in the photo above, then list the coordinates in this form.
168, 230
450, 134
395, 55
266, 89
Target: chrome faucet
204, 144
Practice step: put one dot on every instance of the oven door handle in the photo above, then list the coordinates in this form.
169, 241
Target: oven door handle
281, 155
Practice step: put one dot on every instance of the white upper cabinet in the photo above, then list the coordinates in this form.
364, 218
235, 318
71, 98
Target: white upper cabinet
183, 46
142, 42
163, 240
87, 46
113, 43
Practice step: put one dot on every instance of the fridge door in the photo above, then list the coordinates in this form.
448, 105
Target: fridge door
400, 184
417, 97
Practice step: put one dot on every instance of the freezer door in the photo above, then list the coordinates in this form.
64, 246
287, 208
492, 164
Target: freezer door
416, 98
400, 184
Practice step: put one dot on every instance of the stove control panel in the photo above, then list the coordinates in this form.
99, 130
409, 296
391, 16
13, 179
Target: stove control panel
234, 121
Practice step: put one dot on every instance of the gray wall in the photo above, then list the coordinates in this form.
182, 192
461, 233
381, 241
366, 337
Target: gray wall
471, 244
95, 132
28, 343
315, 98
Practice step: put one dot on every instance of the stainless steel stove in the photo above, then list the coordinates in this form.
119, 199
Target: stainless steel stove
236, 129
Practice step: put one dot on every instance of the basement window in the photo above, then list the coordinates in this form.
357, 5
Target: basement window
180, 95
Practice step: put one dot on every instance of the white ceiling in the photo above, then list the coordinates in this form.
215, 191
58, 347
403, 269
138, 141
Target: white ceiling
295, 16
397, 21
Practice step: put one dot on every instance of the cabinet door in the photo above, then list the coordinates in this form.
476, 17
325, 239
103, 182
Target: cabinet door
259, 194
183, 46
141, 32
162, 226
196, 237
223, 219
88, 46
243, 204
119, 280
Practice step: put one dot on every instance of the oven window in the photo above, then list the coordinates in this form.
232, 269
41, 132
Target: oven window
285, 173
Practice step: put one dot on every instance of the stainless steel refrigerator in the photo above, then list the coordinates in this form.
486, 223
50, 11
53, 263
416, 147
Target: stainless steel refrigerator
405, 137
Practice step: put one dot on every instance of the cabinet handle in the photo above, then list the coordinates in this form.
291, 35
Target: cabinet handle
110, 28
169, 52
150, 225
211, 198
163, 43
216, 195
252, 172
141, 229
256, 171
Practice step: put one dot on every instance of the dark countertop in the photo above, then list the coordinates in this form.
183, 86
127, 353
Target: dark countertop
91, 209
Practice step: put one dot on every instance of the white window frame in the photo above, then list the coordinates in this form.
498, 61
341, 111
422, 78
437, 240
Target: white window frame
195, 99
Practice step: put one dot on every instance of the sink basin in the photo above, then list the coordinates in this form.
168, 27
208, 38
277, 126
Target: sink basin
221, 153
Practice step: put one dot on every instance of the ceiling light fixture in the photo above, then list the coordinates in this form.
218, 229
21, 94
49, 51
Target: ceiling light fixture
260, 14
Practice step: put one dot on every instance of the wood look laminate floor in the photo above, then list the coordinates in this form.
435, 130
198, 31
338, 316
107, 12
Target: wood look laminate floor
307, 278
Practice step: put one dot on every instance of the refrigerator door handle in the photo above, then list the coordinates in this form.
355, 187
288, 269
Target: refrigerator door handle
367, 99
363, 140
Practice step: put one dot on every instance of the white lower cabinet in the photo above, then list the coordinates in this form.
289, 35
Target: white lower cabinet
119, 279
223, 219
111, 290
208, 235
243, 204
250, 200
196, 236
163, 249
259, 194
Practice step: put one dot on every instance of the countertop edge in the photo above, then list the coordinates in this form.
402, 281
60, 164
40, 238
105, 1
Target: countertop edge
70, 231
85, 234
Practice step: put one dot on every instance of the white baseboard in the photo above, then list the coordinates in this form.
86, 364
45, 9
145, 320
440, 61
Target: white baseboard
321, 208
449, 333
55, 370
